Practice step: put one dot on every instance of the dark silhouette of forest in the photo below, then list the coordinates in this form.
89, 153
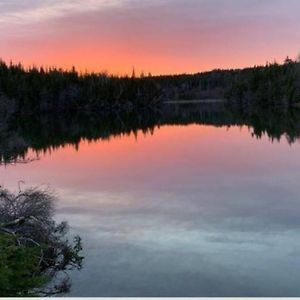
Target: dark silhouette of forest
34, 91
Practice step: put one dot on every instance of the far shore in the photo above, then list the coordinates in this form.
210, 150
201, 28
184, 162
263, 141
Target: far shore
195, 101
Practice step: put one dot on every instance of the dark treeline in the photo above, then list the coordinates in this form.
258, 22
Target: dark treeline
265, 86
38, 90
47, 134
271, 86
35, 91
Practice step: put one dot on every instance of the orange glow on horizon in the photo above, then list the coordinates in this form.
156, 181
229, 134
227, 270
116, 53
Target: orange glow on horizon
159, 67
157, 37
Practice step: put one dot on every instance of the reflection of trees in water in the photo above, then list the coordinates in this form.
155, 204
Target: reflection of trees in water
48, 133
16, 160
35, 254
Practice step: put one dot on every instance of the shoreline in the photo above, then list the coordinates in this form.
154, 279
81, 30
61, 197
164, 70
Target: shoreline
195, 101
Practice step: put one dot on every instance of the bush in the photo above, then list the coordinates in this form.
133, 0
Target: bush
33, 248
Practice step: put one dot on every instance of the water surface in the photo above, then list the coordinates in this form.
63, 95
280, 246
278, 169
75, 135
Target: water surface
189, 210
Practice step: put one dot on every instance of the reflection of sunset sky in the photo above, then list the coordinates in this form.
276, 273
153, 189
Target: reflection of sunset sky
173, 155
177, 209
159, 36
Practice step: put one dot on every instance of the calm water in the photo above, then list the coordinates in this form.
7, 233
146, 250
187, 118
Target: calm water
187, 211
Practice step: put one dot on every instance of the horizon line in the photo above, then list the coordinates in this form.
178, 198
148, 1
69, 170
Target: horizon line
80, 72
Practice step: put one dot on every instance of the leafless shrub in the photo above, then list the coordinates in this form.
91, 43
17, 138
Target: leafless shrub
32, 202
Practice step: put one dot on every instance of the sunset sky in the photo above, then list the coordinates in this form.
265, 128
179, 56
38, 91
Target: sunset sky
157, 36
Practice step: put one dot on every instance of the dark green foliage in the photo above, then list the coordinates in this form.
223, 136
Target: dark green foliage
54, 90
19, 269
271, 86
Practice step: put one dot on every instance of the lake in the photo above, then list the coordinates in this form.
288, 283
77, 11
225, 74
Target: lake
182, 210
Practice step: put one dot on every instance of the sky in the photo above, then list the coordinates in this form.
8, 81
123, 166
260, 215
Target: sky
156, 36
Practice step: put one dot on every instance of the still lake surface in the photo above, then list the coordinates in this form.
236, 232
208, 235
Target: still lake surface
185, 211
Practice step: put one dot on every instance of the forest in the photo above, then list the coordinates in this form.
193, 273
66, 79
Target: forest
34, 91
